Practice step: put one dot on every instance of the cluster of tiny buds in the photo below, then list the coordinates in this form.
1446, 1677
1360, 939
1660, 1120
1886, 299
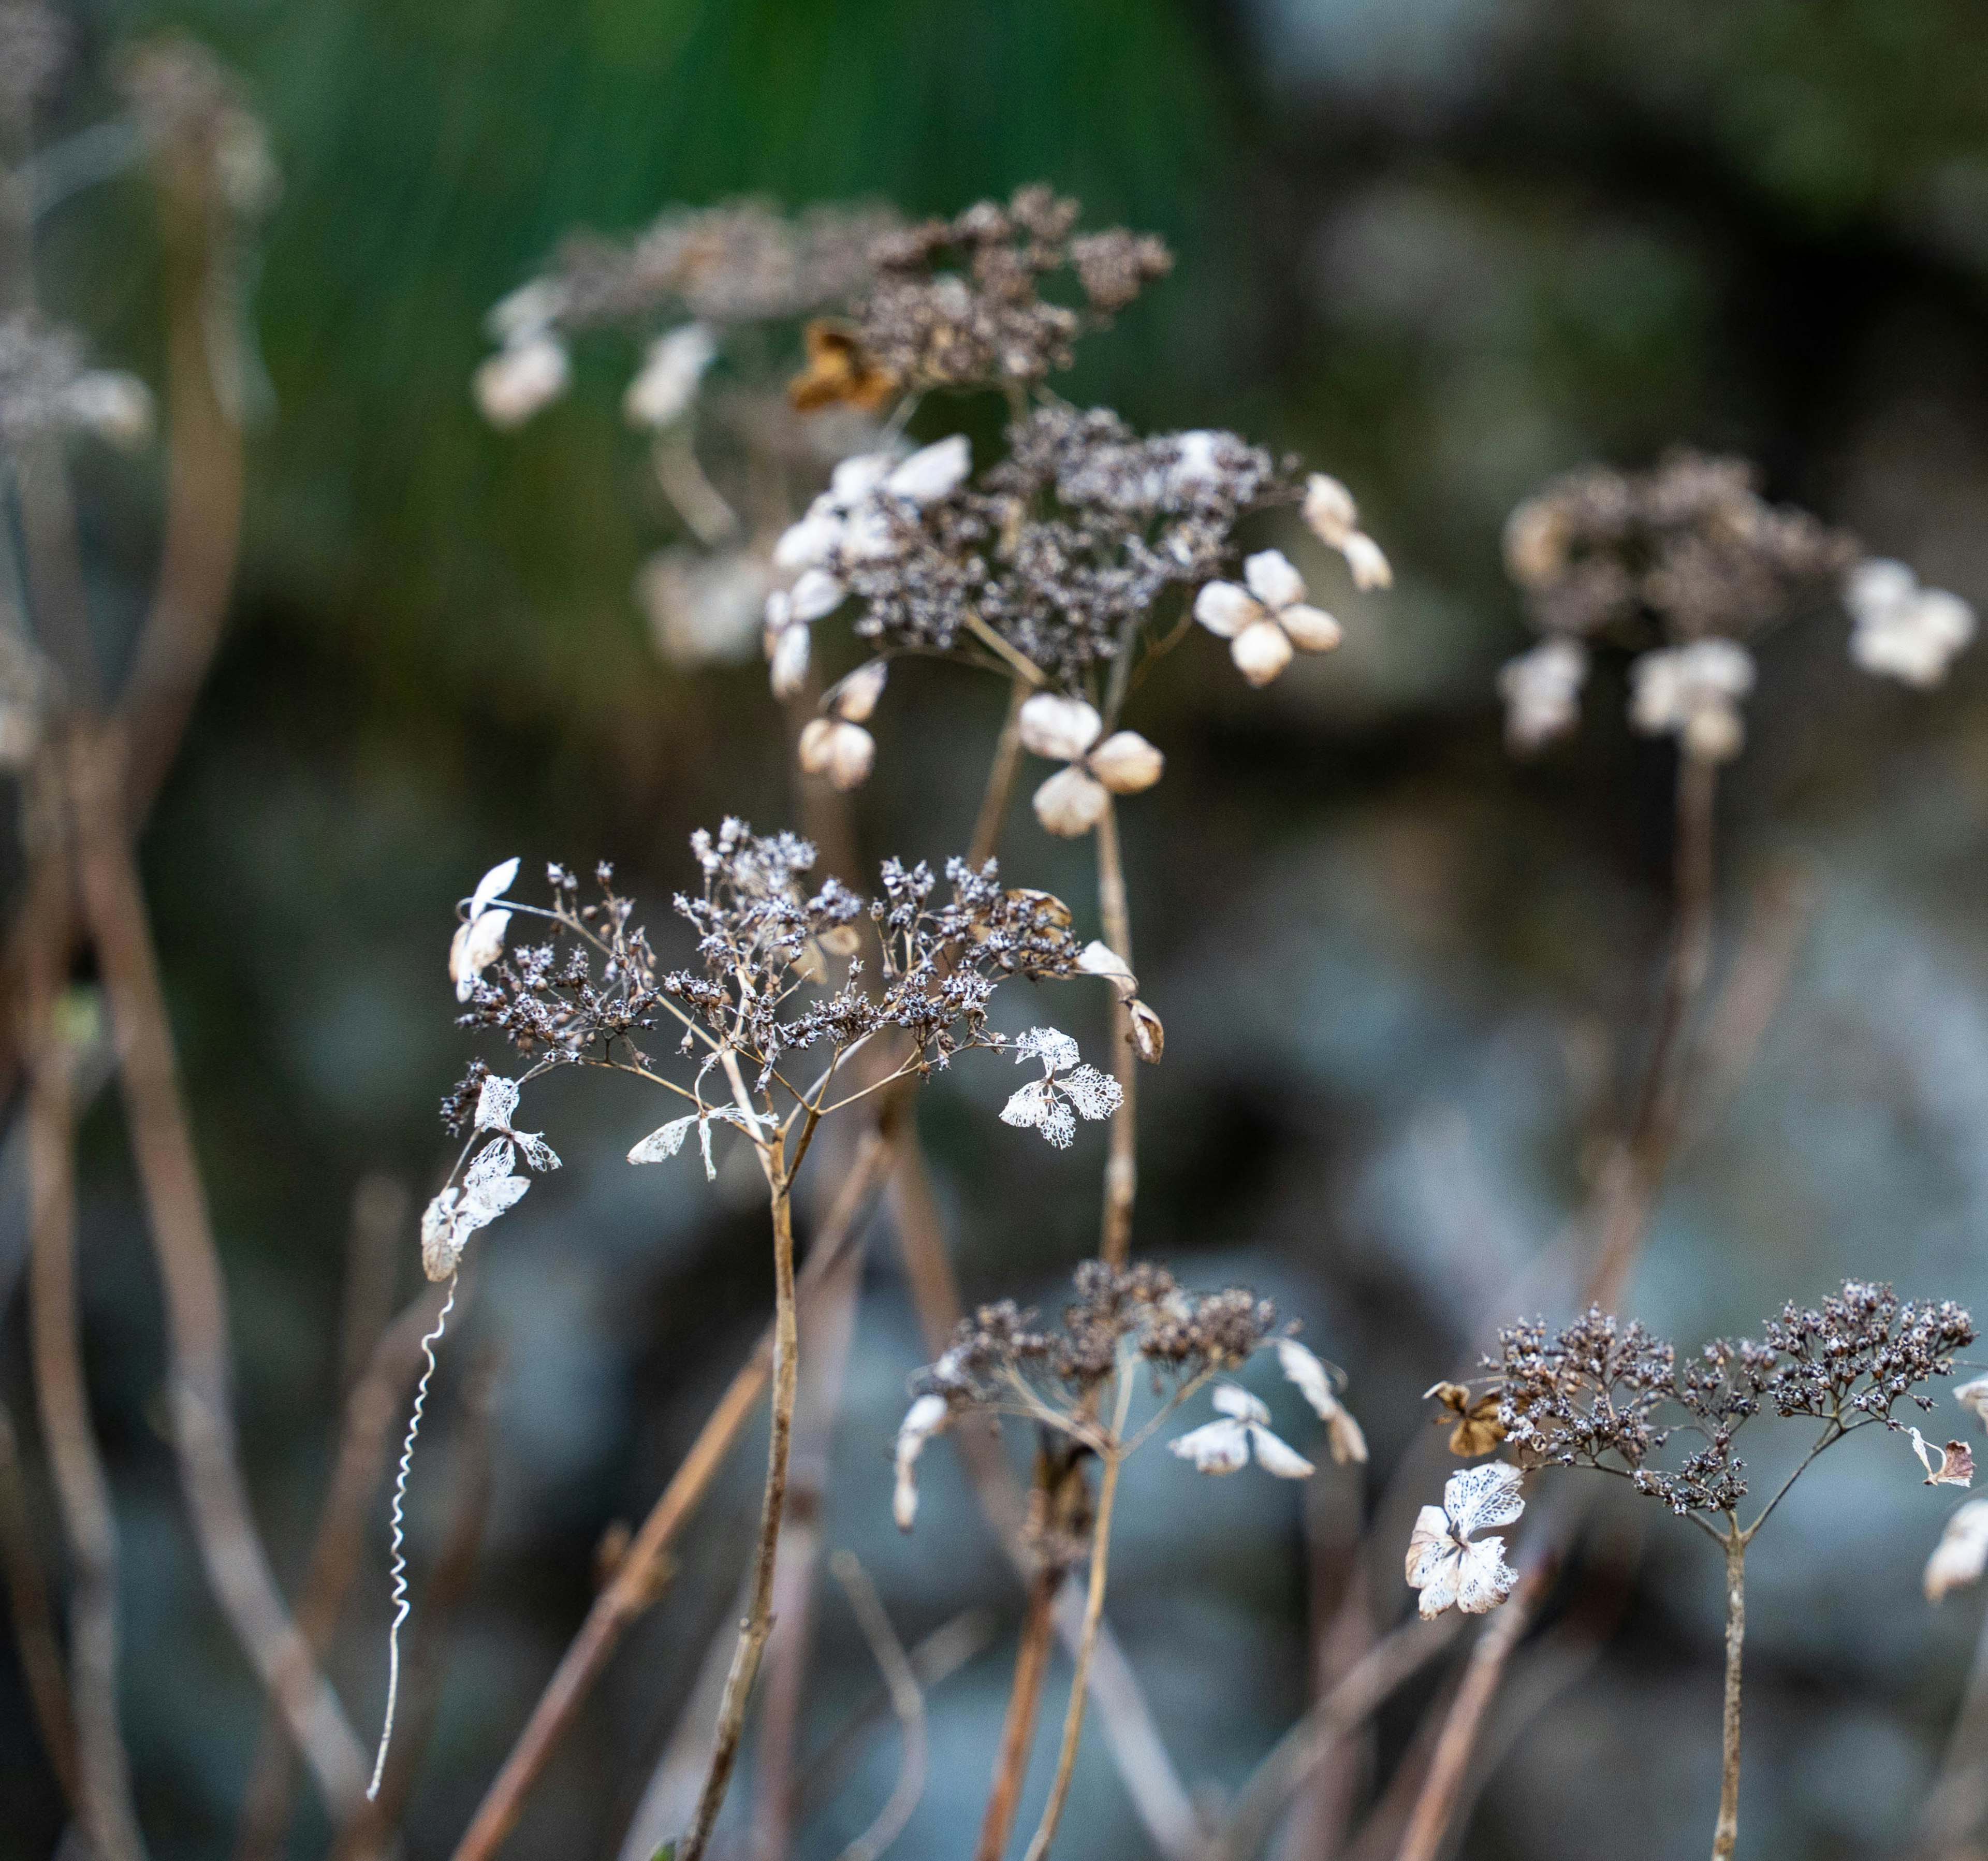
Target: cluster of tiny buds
1684, 564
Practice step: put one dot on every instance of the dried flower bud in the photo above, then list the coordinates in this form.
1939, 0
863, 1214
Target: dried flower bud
1144, 1030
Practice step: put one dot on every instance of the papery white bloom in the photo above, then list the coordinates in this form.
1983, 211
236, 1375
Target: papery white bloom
703, 609
848, 519
1973, 1397
478, 941
855, 697
787, 643
529, 310
1344, 1435
1902, 630
843, 752
1334, 520
1068, 1090
1693, 692
925, 1418
666, 1140
1265, 620
1541, 689
1952, 1465
1445, 1563
488, 1188
1225, 1445
1962, 1554
1066, 729
116, 407
933, 472
1199, 462
521, 378
662, 392
1101, 960
496, 1105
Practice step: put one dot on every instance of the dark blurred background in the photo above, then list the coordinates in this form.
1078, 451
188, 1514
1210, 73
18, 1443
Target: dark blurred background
1444, 249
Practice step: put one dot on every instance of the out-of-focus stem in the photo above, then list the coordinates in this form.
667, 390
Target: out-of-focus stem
994, 800
1727, 1831
103, 1769
34, 1620
907, 1701
1121, 1167
196, 1308
1018, 1726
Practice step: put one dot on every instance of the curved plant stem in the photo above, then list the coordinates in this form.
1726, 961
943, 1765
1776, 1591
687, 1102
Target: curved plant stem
758, 1624
994, 800
34, 1620
1121, 1167
907, 1701
1018, 1726
1727, 1831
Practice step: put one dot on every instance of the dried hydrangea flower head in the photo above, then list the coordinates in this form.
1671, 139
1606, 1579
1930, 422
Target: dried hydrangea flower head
1689, 560
1448, 1564
1267, 619
45, 390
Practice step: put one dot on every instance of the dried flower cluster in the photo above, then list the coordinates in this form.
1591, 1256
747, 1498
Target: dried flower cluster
1602, 1394
1683, 565
45, 389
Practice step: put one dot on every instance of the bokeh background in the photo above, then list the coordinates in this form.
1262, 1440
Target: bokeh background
1444, 249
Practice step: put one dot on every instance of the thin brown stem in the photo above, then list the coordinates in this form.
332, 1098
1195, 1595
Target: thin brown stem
34, 1620
1726, 1831
638, 1578
907, 1701
994, 800
1121, 1167
238, 1567
372, 1411
1018, 1726
103, 1770
753, 1631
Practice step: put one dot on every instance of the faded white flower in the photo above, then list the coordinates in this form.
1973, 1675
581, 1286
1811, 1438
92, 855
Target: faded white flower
489, 1188
479, 938
703, 609
496, 1105
1066, 730
925, 1418
1962, 1554
835, 745
851, 518
1265, 620
1952, 1465
526, 374
1334, 520
116, 407
1224, 1446
1901, 631
1344, 1435
667, 382
1541, 689
1972, 1396
1693, 692
666, 1140
1446, 1563
1068, 1089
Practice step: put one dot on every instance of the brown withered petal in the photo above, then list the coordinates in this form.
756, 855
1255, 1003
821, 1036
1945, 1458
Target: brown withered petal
1144, 1031
1478, 1429
838, 373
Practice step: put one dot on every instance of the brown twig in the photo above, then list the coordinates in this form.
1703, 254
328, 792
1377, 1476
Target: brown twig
1018, 1723
637, 1580
238, 1567
1121, 1167
103, 1770
372, 1410
1725, 1831
34, 1620
907, 1701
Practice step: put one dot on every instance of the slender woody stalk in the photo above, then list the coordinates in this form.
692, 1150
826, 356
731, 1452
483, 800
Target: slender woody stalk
1725, 1832
1121, 1165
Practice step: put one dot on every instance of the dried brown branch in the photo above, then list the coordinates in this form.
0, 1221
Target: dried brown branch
637, 1581
1018, 1723
372, 1410
238, 1567
103, 1769
1725, 1831
34, 1621
1121, 1167
907, 1701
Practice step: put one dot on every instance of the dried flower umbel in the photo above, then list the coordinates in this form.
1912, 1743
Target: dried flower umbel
1607, 1396
1684, 565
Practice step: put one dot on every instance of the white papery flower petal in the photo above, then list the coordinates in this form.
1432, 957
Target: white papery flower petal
1878, 586
1095, 1095
1480, 1496
1232, 1399
1037, 1107
492, 886
1313, 1380
1483, 1578
115, 406
925, 1418
665, 1141
1278, 1457
815, 593
666, 384
1101, 960
1126, 763
1071, 802
476, 945
1051, 1045
1273, 579
513, 384
1962, 1554
1370, 567
1972, 1396
496, 1102
1059, 728
1214, 1447
856, 697
440, 1251
789, 650
1312, 630
809, 542
1224, 609
1261, 652
1541, 689
1329, 510
932, 472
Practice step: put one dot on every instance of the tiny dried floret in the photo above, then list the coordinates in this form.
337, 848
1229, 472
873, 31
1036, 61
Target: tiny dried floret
1267, 619
1692, 693
1901, 630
